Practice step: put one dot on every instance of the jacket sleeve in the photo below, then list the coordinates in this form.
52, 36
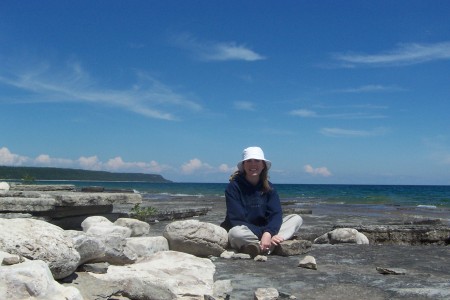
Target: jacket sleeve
274, 213
236, 212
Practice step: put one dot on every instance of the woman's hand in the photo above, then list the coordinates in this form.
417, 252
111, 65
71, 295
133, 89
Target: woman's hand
277, 239
266, 241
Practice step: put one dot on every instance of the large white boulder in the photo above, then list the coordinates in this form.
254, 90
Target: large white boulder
164, 275
4, 187
113, 237
196, 238
94, 220
39, 240
89, 247
33, 280
342, 235
137, 227
147, 245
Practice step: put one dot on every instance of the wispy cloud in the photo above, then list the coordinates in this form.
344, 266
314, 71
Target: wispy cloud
403, 54
216, 51
370, 88
322, 171
148, 96
306, 113
244, 105
339, 132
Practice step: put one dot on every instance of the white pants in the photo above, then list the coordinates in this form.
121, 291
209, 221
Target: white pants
241, 235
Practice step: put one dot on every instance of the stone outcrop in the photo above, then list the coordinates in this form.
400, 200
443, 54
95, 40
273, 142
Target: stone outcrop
39, 240
196, 238
414, 234
63, 205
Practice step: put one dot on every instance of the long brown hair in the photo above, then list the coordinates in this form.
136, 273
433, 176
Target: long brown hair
263, 177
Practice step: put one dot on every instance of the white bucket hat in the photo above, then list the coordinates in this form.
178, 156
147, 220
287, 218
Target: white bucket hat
253, 153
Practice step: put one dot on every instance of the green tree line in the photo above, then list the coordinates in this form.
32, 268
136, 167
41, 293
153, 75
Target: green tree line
43, 173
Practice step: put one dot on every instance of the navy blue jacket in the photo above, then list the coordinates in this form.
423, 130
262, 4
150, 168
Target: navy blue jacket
248, 205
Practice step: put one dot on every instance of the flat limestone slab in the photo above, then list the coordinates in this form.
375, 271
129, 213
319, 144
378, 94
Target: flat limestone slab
87, 199
21, 204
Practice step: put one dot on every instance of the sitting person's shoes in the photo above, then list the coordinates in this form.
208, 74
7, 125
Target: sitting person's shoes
251, 249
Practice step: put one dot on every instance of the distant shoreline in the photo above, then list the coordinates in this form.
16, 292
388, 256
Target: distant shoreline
32, 174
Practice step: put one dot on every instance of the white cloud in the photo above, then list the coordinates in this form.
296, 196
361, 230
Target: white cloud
115, 164
339, 132
216, 51
90, 163
10, 159
194, 165
148, 96
304, 113
404, 54
118, 164
224, 168
45, 159
370, 88
244, 105
322, 171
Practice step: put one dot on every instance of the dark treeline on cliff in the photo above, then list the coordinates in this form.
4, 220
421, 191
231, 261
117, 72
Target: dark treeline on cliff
38, 173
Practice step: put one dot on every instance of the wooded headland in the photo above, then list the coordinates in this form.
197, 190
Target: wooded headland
45, 173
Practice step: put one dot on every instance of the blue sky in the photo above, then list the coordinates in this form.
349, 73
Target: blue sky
333, 91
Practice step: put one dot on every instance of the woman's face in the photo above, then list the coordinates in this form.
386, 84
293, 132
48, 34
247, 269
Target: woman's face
253, 167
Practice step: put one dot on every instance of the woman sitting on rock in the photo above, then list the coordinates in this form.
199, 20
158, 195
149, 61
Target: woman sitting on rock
254, 218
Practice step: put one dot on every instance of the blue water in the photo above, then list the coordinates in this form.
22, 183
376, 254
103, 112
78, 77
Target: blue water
392, 195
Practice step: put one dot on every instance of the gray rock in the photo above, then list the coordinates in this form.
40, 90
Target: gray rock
196, 238
406, 234
342, 235
137, 227
308, 262
89, 247
10, 259
4, 187
391, 271
98, 268
21, 204
95, 220
266, 294
147, 245
88, 199
33, 280
222, 289
115, 239
43, 187
164, 275
260, 258
39, 240
293, 247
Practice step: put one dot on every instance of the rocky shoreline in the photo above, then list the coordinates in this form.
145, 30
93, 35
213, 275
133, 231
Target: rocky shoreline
406, 257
